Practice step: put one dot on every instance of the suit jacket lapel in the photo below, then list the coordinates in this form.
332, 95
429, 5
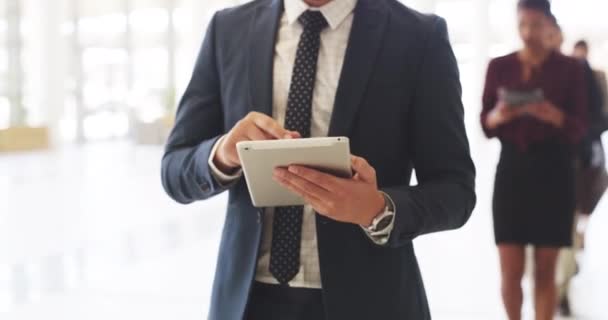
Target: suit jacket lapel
261, 56
370, 19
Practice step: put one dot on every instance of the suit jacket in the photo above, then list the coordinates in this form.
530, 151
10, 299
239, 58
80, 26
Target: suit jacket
597, 119
600, 77
399, 102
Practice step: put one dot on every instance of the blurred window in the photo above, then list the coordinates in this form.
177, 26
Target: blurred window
128, 61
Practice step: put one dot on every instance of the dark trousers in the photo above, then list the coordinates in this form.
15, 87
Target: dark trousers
274, 302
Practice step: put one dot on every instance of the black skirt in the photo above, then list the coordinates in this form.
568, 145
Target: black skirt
534, 195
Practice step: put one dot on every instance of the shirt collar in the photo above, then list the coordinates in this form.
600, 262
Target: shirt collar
335, 11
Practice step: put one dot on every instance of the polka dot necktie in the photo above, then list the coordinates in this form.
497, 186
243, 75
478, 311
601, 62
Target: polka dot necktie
287, 222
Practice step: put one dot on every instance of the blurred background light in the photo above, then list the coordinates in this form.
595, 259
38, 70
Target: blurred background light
90, 89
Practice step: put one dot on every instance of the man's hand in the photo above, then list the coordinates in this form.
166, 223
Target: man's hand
255, 126
546, 112
356, 200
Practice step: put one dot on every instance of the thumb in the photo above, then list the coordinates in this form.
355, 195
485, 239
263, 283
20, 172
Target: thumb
363, 169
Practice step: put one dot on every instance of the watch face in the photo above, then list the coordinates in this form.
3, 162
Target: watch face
384, 222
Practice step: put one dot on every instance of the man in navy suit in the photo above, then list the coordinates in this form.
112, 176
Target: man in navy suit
373, 70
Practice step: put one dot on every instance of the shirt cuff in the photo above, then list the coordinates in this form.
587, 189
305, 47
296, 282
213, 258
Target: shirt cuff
222, 178
382, 236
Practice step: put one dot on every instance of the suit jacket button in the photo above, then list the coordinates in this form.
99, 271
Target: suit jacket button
205, 187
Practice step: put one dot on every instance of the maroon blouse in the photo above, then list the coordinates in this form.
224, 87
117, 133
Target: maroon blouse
563, 83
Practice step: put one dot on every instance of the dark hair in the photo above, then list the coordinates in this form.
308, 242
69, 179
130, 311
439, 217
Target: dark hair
543, 6
582, 44
554, 22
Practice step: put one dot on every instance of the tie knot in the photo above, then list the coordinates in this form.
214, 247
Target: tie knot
313, 20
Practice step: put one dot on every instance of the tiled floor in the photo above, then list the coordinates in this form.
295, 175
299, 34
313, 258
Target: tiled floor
87, 233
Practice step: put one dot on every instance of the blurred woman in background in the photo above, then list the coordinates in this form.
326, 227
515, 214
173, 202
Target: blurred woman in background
534, 101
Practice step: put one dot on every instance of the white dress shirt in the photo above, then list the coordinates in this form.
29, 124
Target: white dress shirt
334, 40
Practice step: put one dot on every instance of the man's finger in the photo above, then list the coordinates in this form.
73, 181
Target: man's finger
292, 135
255, 134
320, 205
270, 126
309, 198
318, 178
311, 188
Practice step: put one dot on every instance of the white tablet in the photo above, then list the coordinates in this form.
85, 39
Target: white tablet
259, 158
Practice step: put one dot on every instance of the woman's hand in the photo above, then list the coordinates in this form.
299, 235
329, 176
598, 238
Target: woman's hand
502, 114
546, 112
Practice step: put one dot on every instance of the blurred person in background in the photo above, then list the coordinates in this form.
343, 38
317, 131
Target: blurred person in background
581, 51
535, 102
591, 175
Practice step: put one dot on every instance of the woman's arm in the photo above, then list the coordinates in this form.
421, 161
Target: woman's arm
489, 100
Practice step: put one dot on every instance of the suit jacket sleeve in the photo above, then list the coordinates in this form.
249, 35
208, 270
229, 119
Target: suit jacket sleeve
444, 197
186, 176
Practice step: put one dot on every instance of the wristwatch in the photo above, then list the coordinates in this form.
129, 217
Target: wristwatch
385, 218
